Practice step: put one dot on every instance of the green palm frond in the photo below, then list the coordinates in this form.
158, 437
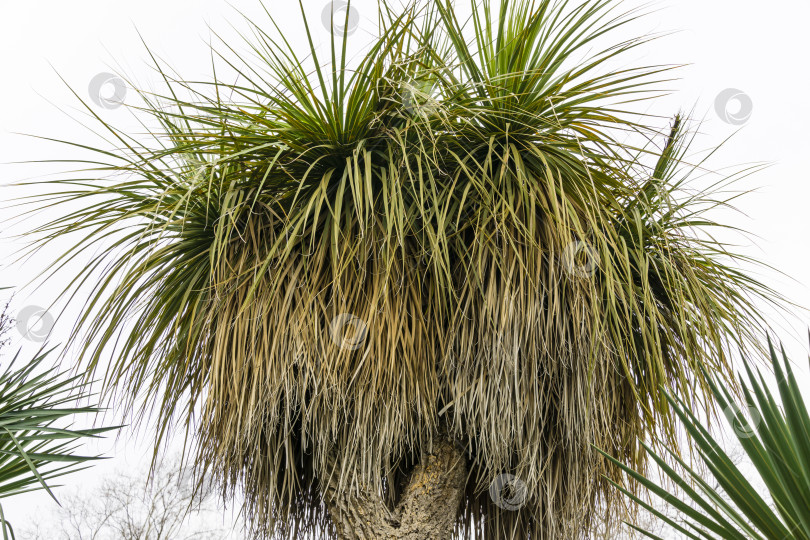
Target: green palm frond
439, 193
774, 432
36, 443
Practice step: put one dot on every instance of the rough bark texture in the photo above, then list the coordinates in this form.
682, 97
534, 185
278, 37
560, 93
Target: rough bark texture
427, 508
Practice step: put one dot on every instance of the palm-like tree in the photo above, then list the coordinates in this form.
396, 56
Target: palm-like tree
517, 280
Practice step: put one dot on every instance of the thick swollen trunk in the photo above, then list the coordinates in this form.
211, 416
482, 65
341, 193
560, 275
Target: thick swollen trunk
427, 508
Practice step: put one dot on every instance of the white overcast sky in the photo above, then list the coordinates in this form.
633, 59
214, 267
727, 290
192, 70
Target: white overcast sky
758, 48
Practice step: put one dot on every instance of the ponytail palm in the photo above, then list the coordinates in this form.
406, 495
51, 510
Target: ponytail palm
519, 278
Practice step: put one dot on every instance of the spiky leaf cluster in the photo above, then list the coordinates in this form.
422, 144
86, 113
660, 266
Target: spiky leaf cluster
324, 264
